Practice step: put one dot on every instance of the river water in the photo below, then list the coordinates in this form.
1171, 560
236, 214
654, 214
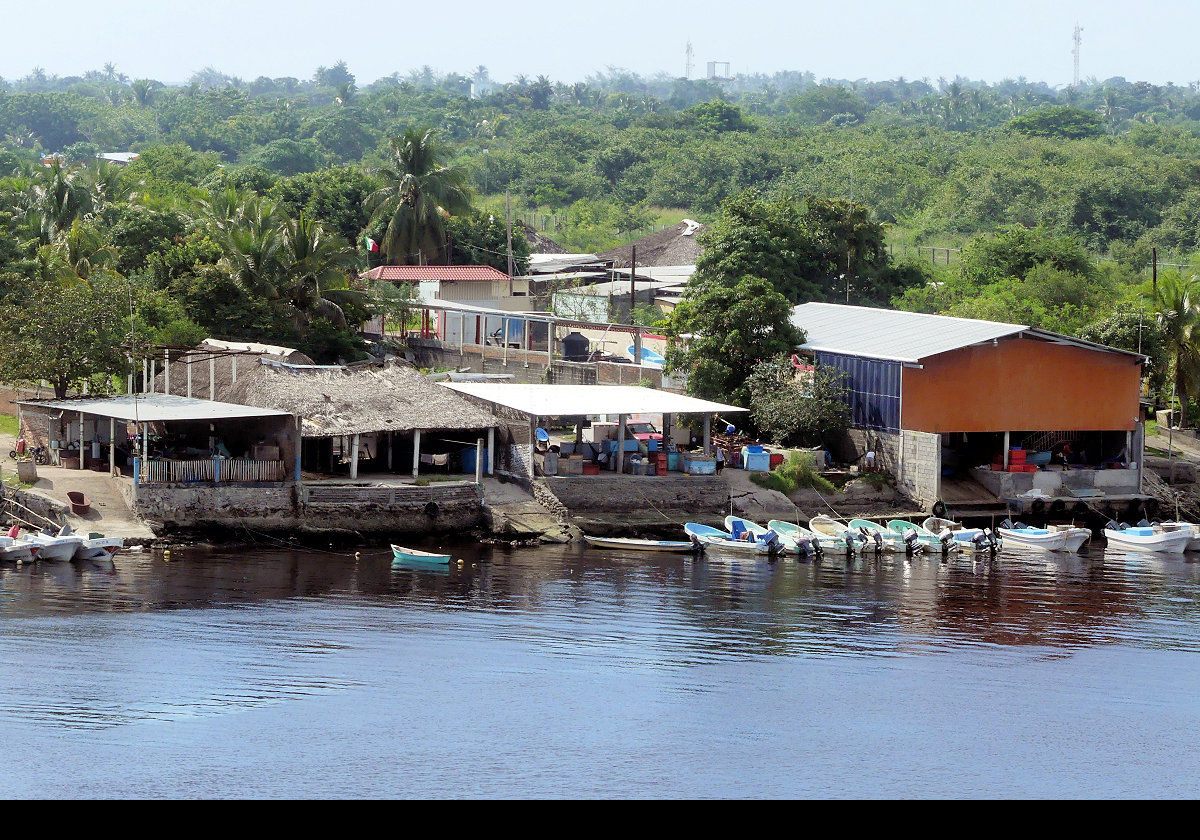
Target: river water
564, 671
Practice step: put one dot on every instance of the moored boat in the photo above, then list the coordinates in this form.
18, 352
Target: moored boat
17, 551
715, 538
61, 546
887, 539
788, 542
1075, 535
970, 540
827, 526
99, 547
819, 542
1147, 537
413, 555
1034, 539
628, 544
933, 543
1194, 543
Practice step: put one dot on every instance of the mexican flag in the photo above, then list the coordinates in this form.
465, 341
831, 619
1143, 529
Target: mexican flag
372, 245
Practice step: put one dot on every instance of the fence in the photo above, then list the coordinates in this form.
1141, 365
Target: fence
211, 470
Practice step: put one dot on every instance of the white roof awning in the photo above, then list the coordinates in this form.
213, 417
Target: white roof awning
152, 408
575, 400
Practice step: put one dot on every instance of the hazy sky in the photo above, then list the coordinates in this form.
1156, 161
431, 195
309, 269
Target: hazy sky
1150, 40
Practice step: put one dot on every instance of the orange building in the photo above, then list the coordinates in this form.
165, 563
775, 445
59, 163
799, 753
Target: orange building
955, 406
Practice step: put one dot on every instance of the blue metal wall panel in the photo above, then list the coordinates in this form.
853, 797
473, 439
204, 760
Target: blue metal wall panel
874, 387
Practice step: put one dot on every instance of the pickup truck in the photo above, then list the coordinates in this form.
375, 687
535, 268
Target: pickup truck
643, 431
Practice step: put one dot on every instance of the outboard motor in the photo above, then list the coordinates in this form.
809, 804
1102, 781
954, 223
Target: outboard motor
946, 539
983, 540
993, 540
878, 542
816, 546
1143, 523
1006, 524
911, 541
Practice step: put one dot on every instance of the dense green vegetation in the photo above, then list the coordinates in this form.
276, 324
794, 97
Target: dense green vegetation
247, 212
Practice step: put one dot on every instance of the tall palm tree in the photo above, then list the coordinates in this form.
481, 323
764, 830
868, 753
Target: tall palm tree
317, 263
57, 199
1176, 303
420, 190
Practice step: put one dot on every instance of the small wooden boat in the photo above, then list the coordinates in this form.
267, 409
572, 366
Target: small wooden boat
820, 544
81, 505
403, 554
1156, 538
886, 538
933, 543
628, 544
715, 538
99, 547
1032, 539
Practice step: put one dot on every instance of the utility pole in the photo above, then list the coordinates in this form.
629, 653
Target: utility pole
508, 217
632, 281
1154, 269
1077, 37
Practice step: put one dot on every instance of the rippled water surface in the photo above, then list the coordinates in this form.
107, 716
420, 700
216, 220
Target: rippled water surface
564, 671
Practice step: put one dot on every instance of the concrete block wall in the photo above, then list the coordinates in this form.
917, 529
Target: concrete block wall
920, 471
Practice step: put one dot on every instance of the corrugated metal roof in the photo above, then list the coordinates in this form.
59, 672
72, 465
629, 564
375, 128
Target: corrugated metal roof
151, 408
444, 273
573, 400
891, 334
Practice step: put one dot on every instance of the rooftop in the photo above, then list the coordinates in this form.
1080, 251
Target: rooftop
898, 336
149, 408
676, 245
574, 400
429, 273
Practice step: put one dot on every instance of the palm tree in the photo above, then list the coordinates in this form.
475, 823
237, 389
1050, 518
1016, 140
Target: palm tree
317, 263
420, 190
59, 197
1176, 303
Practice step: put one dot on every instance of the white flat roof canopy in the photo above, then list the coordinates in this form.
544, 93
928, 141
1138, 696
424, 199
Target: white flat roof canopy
151, 408
573, 400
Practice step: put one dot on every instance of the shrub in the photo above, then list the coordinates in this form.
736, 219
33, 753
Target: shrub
798, 471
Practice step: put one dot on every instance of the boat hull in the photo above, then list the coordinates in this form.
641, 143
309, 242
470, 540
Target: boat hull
413, 556
716, 539
57, 548
100, 548
1161, 542
627, 544
1032, 540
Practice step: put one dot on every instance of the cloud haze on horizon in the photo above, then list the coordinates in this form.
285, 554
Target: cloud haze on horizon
855, 39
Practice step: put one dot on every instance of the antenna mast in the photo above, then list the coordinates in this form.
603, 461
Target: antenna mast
687, 62
1077, 37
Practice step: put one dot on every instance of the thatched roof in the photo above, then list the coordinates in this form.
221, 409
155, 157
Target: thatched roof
219, 358
676, 245
539, 243
353, 400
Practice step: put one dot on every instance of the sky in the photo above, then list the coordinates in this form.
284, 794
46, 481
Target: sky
1151, 40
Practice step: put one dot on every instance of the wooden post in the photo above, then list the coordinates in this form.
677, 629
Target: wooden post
550, 330
479, 460
153, 374
129, 376
391, 440
145, 387
234, 358
504, 329
146, 444
1006, 450
353, 457
82, 454
112, 446
188, 361
637, 347
707, 434
416, 452
212, 377
621, 443
532, 443
167, 371
491, 456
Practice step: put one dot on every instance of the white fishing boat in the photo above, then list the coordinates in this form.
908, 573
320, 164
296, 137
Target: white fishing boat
1145, 537
99, 547
969, 540
714, 538
1194, 543
788, 542
1032, 539
819, 542
57, 547
827, 526
887, 539
628, 544
933, 543
1076, 536
17, 550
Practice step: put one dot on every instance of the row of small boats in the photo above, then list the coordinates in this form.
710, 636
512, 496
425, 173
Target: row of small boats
61, 545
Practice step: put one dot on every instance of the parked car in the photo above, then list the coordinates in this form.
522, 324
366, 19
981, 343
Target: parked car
643, 431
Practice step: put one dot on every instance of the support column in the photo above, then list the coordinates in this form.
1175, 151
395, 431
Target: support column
391, 441
550, 330
504, 330
82, 453
129, 375
188, 362
479, 460
621, 419
707, 434
167, 369
1006, 451
491, 456
416, 452
234, 358
153, 374
112, 446
145, 443
532, 444
145, 386
353, 458
212, 377
637, 347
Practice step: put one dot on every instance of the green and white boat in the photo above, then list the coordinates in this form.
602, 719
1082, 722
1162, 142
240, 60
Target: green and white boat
411, 555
